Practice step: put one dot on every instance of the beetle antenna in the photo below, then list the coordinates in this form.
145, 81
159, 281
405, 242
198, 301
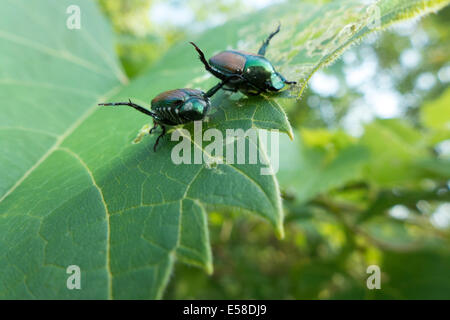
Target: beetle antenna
290, 82
262, 50
202, 58
130, 104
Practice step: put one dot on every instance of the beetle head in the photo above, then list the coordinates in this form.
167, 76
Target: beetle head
196, 108
276, 82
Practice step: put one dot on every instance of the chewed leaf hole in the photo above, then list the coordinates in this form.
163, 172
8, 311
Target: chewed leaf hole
142, 133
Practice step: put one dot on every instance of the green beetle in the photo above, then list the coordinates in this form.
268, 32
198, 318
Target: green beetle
249, 73
174, 107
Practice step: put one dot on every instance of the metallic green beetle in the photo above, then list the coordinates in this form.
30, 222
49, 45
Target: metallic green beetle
249, 73
174, 107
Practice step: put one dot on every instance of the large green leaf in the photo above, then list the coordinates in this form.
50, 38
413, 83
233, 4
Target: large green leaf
80, 192
76, 190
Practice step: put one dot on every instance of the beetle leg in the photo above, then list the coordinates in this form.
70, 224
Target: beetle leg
217, 87
262, 50
130, 104
290, 82
201, 55
214, 89
159, 137
155, 125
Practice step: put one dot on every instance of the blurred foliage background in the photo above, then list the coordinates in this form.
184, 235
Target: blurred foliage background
365, 182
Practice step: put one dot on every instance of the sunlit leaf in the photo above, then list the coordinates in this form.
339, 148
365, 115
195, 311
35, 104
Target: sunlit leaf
76, 190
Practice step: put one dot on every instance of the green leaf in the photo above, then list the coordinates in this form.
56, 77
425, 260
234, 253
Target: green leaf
84, 194
439, 167
51, 211
313, 35
436, 114
423, 278
396, 149
76, 190
309, 169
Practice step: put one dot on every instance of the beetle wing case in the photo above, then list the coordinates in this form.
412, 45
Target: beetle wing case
229, 61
